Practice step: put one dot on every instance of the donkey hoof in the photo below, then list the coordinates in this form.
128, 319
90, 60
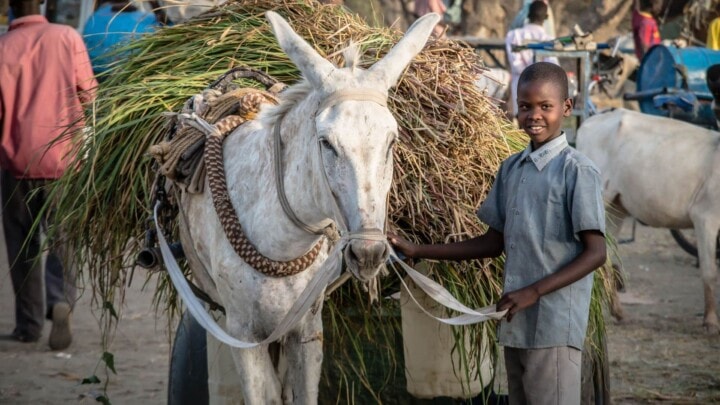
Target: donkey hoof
712, 328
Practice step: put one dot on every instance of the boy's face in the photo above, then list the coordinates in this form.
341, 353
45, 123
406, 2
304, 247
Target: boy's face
541, 110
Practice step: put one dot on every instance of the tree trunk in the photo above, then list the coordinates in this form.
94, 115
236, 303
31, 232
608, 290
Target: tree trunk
397, 13
602, 18
491, 18
370, 10
488, 18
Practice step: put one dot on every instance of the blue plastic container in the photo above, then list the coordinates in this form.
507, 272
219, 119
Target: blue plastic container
669, 70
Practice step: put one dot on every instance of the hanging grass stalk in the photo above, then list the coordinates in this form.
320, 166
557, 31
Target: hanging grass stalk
452, 140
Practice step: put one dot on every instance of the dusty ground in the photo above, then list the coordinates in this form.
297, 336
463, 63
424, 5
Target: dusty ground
659, 355
32, 374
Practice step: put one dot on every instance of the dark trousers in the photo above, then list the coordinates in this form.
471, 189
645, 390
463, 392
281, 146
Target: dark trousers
36, 291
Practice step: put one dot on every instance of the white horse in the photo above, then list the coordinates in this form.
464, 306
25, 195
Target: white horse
666, 174
337, 153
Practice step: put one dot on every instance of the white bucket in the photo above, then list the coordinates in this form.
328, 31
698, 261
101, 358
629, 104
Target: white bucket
428, 346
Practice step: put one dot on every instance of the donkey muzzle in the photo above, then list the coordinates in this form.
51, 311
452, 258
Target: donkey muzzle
366, 252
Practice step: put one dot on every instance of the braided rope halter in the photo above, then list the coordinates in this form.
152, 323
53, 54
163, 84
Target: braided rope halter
213, 157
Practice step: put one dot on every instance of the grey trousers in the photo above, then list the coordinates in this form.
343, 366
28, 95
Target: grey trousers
36, 291
543, 376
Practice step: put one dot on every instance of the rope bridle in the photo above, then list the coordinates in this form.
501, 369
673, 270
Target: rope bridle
332, 99
331, 232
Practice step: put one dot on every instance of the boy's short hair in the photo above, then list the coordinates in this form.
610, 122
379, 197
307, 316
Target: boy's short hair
545, 72
712, 78
646, 5
538, 11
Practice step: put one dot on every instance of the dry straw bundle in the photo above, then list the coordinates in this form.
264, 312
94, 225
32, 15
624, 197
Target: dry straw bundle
452, 141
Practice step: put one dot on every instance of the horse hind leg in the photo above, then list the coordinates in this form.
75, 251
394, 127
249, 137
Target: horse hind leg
615, 215
706, 231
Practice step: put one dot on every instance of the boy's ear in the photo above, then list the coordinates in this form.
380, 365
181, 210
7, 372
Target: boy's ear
567, 107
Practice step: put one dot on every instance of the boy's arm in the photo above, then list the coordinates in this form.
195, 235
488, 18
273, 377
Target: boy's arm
490, 244
592, 257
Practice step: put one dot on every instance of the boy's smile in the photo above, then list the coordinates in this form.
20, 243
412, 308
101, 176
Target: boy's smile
541, 110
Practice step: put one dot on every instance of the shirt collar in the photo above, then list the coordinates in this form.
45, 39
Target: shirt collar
28, 19
546, 153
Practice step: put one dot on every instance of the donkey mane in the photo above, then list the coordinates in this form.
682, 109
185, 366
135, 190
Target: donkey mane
352, 55
289, 98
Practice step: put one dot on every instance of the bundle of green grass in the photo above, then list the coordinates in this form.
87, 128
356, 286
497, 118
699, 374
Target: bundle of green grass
453, 139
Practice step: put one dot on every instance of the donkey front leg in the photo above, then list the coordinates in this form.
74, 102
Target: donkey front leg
258, 376
304, 354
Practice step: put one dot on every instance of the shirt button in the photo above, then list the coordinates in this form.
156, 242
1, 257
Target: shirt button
512, 246
522, 180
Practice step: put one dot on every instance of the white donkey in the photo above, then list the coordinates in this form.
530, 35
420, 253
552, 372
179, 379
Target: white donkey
337, 152
666, 174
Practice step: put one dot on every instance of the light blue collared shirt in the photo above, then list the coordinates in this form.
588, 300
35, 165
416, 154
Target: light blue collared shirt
540, 201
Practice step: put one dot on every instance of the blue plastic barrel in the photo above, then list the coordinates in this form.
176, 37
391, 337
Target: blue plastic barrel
669, 69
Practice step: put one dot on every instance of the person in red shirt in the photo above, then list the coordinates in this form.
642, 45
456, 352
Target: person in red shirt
644, 27
45, 77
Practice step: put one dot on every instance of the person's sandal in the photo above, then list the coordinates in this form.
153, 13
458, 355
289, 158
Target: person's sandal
23, 337
60, 335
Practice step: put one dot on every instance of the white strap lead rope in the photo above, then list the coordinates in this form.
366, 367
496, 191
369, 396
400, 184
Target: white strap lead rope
443, 297
329, 272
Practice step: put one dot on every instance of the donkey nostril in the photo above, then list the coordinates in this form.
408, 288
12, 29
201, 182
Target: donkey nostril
386, 252
352, 255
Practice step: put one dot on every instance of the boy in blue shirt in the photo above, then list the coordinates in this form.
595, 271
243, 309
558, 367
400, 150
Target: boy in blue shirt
545, 212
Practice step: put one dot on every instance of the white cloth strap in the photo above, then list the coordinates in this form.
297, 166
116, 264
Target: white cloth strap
354, 95
329, 272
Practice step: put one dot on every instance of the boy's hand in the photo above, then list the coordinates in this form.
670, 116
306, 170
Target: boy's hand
518, 300
402, 245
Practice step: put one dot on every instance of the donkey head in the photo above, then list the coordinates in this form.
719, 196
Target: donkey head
355, 132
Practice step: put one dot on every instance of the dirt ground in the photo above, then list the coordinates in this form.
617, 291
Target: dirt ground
660, 352
658, 355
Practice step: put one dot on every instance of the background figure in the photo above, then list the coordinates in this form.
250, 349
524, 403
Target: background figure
179, 11
644, 27
533, 31
46, 73
423, 7
713, 34
111, 25
523, 17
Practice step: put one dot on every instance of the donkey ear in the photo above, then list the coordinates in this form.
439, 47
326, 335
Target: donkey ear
314, 67
389, 69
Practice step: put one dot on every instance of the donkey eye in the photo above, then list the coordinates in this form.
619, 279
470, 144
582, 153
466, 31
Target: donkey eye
325, 144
